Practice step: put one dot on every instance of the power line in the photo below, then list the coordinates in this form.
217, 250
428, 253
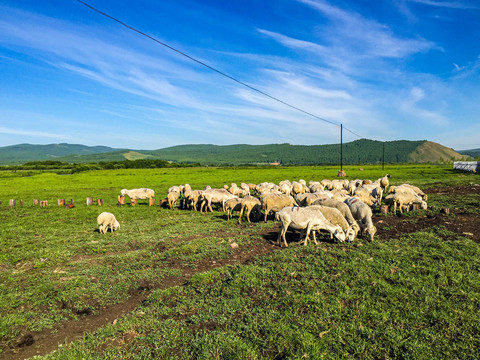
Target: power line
215, 70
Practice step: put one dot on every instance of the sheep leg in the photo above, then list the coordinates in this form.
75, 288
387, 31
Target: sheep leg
241, 214
281, 234
314, 238
309, 229
266, 214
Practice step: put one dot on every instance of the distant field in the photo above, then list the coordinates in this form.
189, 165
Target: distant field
169, 285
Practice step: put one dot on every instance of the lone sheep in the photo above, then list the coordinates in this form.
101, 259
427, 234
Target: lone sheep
143, 193
105, 220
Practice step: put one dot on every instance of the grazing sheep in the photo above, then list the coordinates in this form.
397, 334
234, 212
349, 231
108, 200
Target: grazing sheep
174, 188
404, 199
315, 186
276, 202
344, 210
383, 182
192, 198
408, 188
219, 196
250, 203
375, 190
231, 205
285, 188
363, 214
235, 190
365, 196
336, 218
172, 198
105, 220
246, 188
305, 218
298, 188
136, 194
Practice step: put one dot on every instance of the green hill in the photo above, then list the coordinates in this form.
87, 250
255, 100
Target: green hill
356, 152
472, 152
21, 153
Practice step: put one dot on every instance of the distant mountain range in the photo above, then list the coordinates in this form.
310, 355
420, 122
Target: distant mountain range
356, 152
472, 152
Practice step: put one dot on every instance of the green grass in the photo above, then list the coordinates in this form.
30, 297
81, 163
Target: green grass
416, 297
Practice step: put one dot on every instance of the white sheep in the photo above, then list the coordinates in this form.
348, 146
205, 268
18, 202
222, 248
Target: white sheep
308, 219
231, 205
408, 188
136, 194
404, 199
172, 198
250, 203
344, 210
276, 202
106, 220
363, 214
336, 218
219, 196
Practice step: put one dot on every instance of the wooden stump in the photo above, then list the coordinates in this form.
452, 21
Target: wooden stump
121, 200
99, 202
61, 202
133, 202
11, 202
151, 202
341, 173
89, 200
384, 209
35, 202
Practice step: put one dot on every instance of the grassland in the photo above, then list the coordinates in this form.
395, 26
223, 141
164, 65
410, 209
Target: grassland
412, 295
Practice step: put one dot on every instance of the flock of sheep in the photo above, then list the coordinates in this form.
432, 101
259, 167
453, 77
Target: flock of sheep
341, 207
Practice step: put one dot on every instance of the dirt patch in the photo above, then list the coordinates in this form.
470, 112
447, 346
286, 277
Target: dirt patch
462, 224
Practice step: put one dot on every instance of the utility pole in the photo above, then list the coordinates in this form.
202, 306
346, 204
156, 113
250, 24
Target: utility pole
341, 172
341, 147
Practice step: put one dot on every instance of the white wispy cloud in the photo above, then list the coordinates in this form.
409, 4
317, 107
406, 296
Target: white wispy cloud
464, 5
353, 32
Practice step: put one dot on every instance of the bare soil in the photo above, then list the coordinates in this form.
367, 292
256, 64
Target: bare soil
463, 224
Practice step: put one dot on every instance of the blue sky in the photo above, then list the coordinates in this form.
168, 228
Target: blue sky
386, 70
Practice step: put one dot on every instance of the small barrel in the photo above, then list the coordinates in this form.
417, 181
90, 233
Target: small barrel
11, 202
121, 200
89, 200
43, 203
99, 202
151, 201
61, 202
35, 202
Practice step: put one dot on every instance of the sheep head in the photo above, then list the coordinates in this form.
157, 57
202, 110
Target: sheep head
116, 225
339, 234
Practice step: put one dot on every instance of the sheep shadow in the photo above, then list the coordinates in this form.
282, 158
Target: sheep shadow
294, 236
